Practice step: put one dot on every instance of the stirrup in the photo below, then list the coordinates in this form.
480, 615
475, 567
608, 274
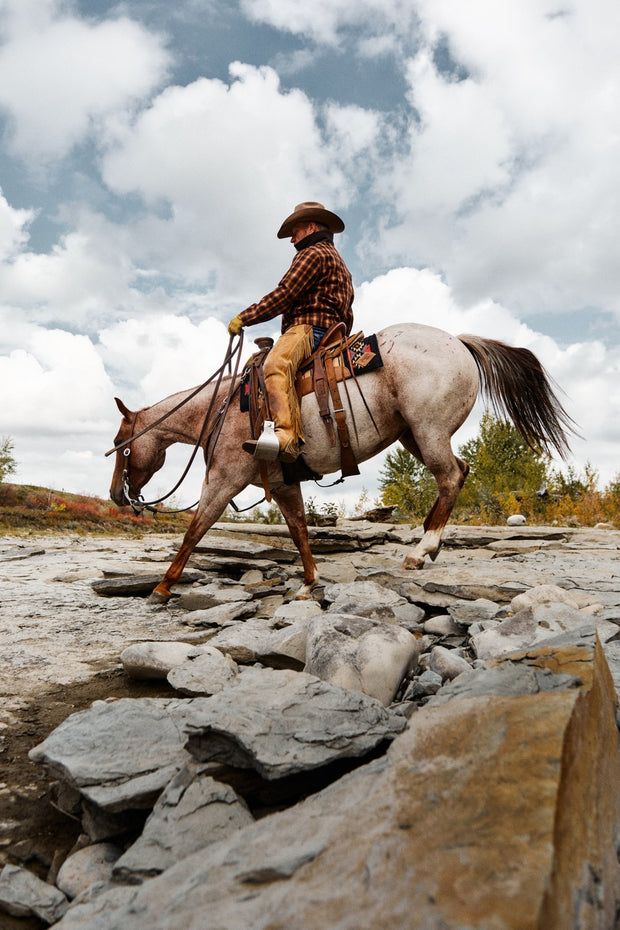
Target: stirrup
266, 447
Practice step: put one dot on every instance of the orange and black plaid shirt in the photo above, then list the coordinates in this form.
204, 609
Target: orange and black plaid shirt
317, 289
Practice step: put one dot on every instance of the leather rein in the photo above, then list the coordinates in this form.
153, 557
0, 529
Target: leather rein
207, 435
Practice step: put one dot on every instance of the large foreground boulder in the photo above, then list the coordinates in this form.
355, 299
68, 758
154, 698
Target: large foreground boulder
489, 811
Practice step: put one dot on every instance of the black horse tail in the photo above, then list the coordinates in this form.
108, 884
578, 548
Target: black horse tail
518, 388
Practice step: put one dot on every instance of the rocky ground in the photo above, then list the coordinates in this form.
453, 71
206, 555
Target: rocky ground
61, 636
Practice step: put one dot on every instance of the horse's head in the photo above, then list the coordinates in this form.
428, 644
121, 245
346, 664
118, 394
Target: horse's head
137, 462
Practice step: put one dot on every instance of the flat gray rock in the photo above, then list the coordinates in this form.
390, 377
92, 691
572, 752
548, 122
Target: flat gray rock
361, 654
244, 549
368, 599
83, 868
153, 660
506, 679
16, 553
206, 672
468, 612
227, 565
193, 812
283, 722
137, 585
221, 615
214, 594
23, 894
532, 625
245, 642
121, 754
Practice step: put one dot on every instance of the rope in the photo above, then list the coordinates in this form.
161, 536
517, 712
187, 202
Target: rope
139, 504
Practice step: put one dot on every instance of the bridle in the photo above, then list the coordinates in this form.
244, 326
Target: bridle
208, 434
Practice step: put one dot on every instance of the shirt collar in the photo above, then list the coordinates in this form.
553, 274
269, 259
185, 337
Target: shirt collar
322, 235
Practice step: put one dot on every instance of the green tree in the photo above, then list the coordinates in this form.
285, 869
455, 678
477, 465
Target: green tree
7, 461
505, 473
407, 484
613, 488
573, 485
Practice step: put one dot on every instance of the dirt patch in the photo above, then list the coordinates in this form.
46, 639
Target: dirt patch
33, 833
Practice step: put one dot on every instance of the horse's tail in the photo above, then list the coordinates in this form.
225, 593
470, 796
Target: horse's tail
516, 385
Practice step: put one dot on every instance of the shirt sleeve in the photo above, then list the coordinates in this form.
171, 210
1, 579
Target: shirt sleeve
305, 268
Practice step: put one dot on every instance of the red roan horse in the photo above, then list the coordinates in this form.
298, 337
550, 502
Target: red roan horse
424, 392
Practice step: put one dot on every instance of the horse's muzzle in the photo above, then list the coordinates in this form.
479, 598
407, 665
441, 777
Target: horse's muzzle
117, 496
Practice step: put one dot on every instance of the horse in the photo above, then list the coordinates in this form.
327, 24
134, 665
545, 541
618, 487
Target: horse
424, 392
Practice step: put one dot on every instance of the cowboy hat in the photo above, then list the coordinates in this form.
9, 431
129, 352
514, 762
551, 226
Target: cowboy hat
310, 212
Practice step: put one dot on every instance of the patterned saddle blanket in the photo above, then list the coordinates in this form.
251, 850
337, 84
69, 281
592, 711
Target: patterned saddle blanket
359, 356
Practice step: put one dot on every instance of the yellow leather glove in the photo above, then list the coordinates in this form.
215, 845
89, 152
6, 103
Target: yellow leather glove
235, 326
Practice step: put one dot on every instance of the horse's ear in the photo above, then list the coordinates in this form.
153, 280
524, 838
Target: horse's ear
123, 409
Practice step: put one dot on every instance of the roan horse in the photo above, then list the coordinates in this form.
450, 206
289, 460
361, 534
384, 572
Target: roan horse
424, 392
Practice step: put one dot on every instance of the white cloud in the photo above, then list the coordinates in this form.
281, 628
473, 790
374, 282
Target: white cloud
231, 161
63, 386
511, 180
13, 228
80, 282
325, 21
59, 73
162, 355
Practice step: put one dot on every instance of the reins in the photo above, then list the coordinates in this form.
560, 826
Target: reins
138, 503
211, 435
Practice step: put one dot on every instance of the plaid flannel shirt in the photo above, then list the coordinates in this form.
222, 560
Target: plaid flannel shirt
317, 290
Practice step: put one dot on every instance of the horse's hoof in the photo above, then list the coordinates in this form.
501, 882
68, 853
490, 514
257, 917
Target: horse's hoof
305, 592
158, 598
413, 563
433, 555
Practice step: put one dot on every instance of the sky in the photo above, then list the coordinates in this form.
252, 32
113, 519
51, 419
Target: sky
150, 152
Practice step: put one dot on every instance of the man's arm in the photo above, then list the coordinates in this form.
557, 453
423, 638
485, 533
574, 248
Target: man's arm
305, 268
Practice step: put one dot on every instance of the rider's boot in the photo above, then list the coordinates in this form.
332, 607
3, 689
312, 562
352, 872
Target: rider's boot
280, 368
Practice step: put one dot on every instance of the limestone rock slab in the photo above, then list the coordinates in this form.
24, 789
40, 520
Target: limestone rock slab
468, 612
86, 866
120, 755
245, 642
206, 672
211, 595
283, 722
221, 614
361, 654
138, 585
235, 547
193, 812
23, 894
155, 659
533, 625
490, 811
368, 599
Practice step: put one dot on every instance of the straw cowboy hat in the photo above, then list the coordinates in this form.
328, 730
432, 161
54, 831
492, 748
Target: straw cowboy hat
310, 212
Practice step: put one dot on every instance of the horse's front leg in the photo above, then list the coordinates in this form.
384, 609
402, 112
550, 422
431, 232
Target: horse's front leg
213, 501
290, 501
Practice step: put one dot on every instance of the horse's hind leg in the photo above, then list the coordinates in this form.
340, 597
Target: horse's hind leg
449, 472
290, 501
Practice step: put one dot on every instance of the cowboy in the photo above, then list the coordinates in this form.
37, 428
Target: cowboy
315, 293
